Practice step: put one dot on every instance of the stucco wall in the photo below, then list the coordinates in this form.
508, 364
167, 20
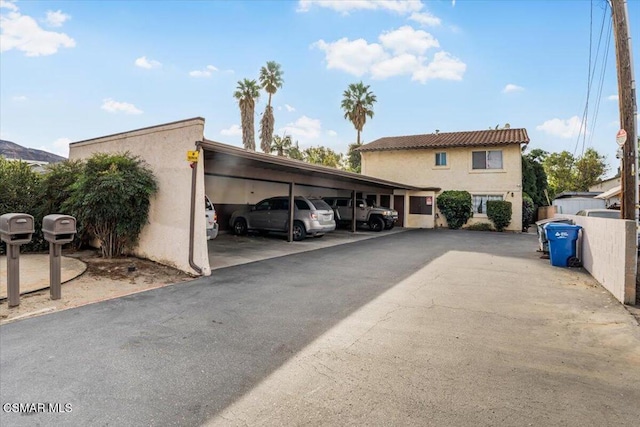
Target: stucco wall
609, 253
242, 191
165, 239
417, 167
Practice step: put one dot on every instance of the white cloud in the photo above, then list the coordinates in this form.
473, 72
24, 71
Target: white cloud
569, 128
407, 40
354, 57
61, 146
57, 18
19, 98
400, 52
23, 33
116, 107
453, 3
426, 19
332, 133
511, 88
143, 62
232, 131
4, 4
444, 67
396, 66
206, 72
289, 108
304, 127
613, 97
345, 6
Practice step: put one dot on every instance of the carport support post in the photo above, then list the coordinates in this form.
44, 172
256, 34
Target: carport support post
292, 207
353, 212
13, 274
54, 271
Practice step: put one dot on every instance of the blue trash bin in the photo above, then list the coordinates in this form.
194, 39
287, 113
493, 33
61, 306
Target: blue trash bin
562, 242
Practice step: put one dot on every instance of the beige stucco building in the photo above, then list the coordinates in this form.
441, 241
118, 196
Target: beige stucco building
487, 164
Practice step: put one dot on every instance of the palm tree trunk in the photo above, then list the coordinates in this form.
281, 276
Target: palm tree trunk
358, 137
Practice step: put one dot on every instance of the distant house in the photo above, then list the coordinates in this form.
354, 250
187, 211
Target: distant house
486, 163
571, 202
611, 189
607, 184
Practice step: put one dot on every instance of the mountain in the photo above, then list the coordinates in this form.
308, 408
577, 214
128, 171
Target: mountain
11, 150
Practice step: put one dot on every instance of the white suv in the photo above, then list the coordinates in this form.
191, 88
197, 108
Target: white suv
212, 219
311, 217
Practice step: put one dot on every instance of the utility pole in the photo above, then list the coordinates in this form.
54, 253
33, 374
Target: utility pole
628, 108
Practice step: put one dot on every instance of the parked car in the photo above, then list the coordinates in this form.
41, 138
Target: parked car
377, 218
212, 219
600, 213
311, 217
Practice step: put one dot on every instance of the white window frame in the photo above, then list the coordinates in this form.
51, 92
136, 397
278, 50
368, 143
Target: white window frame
446, 160
476, 199
487, 161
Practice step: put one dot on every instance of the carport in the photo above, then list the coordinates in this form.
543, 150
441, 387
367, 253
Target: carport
235, 177
232, 177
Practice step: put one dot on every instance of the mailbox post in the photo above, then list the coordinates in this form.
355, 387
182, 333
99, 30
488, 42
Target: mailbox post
15, 230
57, 229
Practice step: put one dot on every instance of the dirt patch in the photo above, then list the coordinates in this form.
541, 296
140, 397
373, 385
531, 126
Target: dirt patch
104, 279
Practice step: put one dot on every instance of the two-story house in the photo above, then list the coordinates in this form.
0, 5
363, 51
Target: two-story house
486, 163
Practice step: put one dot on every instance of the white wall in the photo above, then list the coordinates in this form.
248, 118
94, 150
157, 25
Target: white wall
609, 254
571, 205
165, 239
241, 191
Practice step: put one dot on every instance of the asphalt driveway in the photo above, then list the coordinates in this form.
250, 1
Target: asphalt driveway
421, 327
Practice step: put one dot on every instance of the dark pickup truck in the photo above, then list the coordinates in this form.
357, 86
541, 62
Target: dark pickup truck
377, 218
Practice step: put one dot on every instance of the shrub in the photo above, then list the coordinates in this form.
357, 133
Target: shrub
456, 206
19, 193
56, 188
528, 210
499, 212
481, 226
57, 184
111, 200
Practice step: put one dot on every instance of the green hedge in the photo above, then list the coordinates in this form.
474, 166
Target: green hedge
456, 206
20, 193
499, 212
109, 195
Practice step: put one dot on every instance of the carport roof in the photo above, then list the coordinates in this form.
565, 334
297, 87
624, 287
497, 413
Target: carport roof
269, 161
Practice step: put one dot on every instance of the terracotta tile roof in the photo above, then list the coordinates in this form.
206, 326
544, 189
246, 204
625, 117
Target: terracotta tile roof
449, 139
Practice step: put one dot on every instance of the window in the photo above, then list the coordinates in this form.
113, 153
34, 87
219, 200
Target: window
265, 205
441, 159
302, 205
420, 205
487, 159
343, 203
480, 202
280, 205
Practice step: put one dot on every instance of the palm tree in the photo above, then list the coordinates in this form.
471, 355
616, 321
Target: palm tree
270, 80
247, 93
357, 103
280, 144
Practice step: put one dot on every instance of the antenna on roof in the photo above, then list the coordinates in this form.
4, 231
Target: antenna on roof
437, 131
507, 126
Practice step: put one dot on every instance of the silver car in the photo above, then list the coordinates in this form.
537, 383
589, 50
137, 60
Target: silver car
311, 217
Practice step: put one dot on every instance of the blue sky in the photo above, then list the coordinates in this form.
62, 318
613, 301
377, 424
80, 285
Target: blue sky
73, 70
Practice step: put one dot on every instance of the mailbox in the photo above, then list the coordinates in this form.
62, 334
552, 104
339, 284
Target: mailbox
16, 228
58, 228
